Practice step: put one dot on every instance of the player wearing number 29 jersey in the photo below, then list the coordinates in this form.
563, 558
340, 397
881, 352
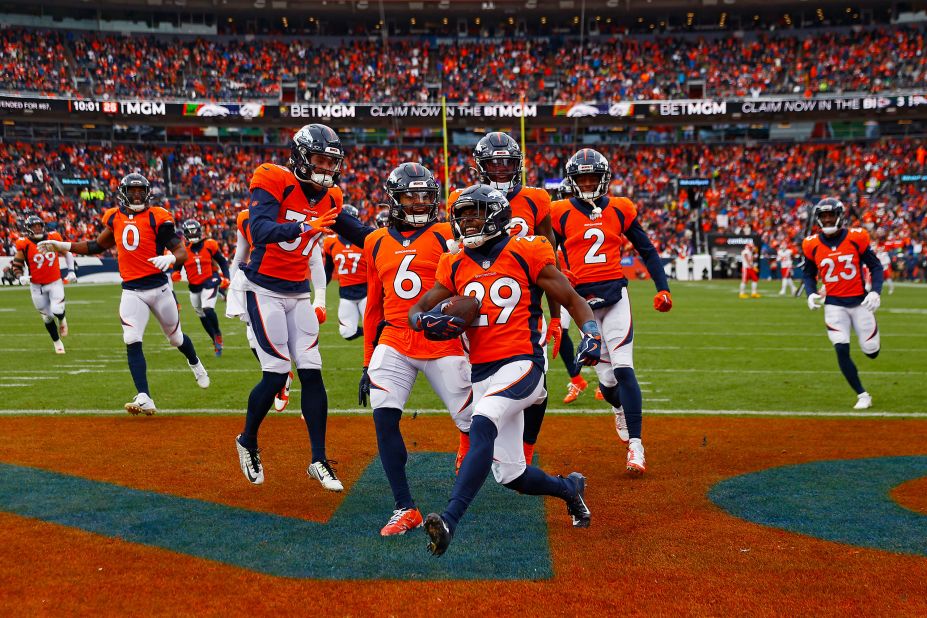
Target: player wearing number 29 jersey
838, 255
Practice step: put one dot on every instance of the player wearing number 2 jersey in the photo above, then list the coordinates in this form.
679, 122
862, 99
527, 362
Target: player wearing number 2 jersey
838, 254
141, 234
44, 277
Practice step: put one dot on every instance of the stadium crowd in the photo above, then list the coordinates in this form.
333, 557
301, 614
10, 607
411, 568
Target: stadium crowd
762, 190
550, 70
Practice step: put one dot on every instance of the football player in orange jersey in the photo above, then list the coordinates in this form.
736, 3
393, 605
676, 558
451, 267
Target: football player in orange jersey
291, 208
44, 277
592, 228
507, 275
401, 263
344, 261
839, 255
203, 260
141, 233
499, 163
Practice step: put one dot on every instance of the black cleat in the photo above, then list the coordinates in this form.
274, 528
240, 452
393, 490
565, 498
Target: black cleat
439, 534
576, 506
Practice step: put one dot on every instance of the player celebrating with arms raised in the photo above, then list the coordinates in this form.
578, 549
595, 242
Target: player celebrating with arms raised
839, 255
141, 233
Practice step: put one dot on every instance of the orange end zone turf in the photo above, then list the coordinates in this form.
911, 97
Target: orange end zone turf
656, 545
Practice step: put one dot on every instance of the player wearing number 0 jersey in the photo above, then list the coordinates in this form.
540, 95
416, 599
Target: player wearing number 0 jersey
44, 277
838, 255
141, 234
508, 276
291, 208
401, 261
592, 228
204, 262
344, 262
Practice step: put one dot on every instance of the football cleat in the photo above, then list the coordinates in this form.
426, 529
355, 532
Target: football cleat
863, 401
250, 461
402, 521
599, 395
63, 328
755, 295
59, 347
743, 296
576, 386
439, 534
621, 425
576, 505
323, 472
217, 345
282, 398
142, 404
462, 450
199, 372
636, 464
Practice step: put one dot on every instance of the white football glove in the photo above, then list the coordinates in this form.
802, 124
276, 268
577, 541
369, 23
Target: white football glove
59, 246
72, 277
815, 301
871, 302
163, 262
25, 280
453, 247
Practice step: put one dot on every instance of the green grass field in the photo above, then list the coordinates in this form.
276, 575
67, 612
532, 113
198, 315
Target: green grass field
712, 352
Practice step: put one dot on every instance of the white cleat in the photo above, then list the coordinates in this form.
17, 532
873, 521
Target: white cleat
863, 401
63, 328
142, 404
59, 347
323, 472
621, 425
250, 461
636, 465
199, 372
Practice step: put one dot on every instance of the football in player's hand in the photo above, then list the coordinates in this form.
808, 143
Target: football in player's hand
467, 308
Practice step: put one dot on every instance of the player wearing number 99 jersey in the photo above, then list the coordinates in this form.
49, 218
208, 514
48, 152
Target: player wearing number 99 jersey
592, 228
141, 233
839, 254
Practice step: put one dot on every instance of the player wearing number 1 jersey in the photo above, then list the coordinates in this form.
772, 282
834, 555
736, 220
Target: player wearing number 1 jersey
141, 234
401, 263
344, 262
203, 261
44, 277
838, 254
592, 228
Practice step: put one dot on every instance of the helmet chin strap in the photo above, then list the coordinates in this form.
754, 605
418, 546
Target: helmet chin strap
323, 180
137, 207
830, 230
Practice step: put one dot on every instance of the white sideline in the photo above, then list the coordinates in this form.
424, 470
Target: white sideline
588, 411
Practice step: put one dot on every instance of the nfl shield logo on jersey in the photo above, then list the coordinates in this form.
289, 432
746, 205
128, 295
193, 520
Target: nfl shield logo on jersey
486, 264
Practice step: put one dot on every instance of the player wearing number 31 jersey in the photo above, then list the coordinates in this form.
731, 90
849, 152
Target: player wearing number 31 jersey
141, 233
838, 254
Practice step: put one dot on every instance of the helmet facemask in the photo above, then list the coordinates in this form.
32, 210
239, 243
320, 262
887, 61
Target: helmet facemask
317, 168
415, 206
135, 197
829, 217
501, 171
585, 186
475, 224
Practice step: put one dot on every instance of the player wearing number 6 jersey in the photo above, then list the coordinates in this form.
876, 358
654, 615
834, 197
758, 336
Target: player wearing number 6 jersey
141, 233
344, 261
838, 255
592, 228
44, 277
401, 263
508, 276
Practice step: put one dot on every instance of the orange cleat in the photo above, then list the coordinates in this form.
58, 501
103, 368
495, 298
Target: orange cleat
462, 451
599, 395
576, 386
402, 521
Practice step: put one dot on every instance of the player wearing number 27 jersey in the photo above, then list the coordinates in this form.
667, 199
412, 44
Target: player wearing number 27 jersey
838, 254
141, 234
344, 262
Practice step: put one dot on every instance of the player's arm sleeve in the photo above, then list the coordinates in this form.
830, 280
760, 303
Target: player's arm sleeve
876, 270
19, 261
241, 252
809, 273
222, 262
649, 254
373, 314
352, 229
317, 275
263, 210
167, 235
329, 267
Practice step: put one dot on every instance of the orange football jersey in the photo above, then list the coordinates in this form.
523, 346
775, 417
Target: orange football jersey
510, 322
43, 267
136, 236
199, 263
592, 248
242, 223
286, 260
529, 207
840, 266
400, 269
350, 267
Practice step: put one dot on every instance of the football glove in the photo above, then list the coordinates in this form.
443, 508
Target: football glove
363, 389
175, 276
438, 326
25, 280
663, 302
318, 226
871, 302
71, 277
590, 348
320, 314
815, 301
554, 335
163, 262
224, 283
58, 246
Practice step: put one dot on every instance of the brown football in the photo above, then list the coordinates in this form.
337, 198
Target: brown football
466, 308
